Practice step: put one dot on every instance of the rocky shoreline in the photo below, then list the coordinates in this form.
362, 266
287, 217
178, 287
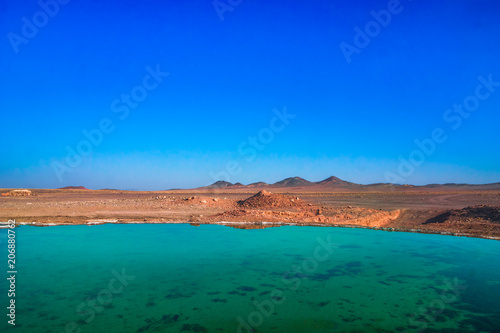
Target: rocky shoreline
263, 225
262, 210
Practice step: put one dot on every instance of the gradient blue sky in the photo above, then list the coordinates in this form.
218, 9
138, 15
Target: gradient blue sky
353, 120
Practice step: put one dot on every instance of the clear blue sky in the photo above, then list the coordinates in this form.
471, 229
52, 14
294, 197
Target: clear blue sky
67, 72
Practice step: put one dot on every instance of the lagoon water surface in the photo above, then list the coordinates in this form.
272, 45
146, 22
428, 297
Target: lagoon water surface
181, 278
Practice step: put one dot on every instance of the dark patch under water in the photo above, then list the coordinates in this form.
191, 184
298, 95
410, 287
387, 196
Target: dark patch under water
159, 325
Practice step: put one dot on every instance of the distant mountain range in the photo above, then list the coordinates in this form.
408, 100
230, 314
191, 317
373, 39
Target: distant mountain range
329, 184
73, 188
334, 182
287, 182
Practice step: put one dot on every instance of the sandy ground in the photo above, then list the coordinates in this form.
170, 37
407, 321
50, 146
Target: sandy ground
422, 211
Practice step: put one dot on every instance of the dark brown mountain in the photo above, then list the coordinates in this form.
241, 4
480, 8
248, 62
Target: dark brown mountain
219, 184
337, 182
73, 188
293, 182
258, 184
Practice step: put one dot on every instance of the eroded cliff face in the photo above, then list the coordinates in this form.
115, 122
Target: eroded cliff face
266, 206
280, 208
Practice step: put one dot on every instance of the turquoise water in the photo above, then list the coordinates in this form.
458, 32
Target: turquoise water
181, 278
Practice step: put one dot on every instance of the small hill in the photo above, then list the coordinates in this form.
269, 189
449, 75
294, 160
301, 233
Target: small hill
266, 199
331, 180
258, 184
73, 188
293, 182
334, 181
219, 184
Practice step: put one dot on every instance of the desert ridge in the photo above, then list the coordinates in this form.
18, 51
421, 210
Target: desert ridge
333, 183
